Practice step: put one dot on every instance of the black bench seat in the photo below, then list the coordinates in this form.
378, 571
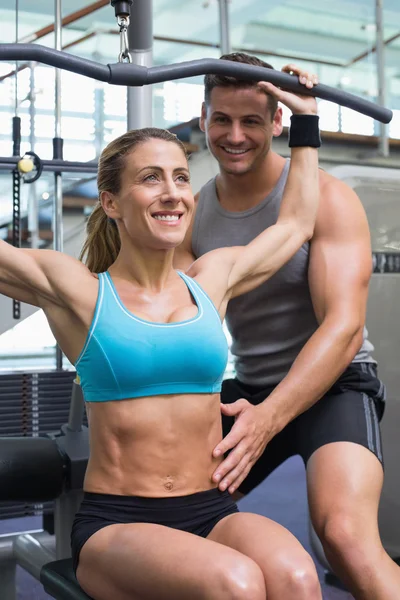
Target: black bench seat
59, 581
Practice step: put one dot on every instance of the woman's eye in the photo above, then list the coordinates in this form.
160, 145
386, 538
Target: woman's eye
183, 178
151, 177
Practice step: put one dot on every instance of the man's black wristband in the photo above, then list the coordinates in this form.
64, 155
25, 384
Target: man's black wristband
304, 131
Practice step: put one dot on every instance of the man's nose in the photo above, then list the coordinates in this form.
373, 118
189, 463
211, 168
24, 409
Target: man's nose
235, 134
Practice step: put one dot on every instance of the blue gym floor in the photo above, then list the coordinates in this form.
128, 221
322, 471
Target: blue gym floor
282, 498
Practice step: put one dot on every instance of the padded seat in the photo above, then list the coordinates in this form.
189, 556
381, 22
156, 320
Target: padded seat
59, 581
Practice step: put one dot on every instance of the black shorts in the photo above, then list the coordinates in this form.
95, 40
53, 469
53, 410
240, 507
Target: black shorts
349, 412
196, 513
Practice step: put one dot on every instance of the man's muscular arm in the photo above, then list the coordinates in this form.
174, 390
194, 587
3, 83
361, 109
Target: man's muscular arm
339, 273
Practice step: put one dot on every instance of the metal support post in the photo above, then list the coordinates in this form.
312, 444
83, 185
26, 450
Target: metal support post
380, 67
8, 584
66, 506
99, 109
31, 554
33, 208
58, 239
57, 153
140, 36
224, 32
30, 550
77, 408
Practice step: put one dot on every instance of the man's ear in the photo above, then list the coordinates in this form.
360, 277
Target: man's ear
110, 205
277, 125
203, 117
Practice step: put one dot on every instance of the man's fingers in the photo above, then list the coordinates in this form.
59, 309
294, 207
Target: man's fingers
234, 407
239, 480
236, 475
290, 68
270, 88
230, 462
306, 78
230, 441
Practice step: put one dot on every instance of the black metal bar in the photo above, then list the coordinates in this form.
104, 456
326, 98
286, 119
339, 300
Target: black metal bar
247, 72
16, 129
16, 228
58, 146
16, 209
133, 75
8, 163
55, 58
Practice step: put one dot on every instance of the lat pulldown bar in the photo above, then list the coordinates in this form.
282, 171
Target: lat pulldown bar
128, 74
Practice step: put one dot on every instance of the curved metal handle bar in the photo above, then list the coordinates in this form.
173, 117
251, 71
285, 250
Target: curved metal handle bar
134, 75
55, 58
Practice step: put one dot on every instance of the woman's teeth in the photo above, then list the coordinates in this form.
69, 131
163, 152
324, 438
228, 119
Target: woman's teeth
167, 217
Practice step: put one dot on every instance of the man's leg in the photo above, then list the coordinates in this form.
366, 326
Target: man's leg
341, 446
344, 486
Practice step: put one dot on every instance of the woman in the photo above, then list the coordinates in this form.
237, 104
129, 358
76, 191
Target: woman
148, 345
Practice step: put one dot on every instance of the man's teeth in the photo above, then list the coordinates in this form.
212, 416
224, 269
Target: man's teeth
235, 151
167, 217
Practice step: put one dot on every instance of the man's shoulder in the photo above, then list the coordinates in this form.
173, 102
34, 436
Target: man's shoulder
338, 207
329, 183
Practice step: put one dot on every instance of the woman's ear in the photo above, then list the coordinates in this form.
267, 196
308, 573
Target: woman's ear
110, 205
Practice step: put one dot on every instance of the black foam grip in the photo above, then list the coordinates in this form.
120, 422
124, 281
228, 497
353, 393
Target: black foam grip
58, 144
16, 133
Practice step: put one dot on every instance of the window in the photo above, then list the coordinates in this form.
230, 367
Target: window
354, 122
182, 101
394, 127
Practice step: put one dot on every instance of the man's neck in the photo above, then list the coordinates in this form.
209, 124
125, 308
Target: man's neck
238, 193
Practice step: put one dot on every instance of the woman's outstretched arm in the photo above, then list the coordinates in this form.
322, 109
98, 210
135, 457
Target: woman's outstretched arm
39, 277
246, 267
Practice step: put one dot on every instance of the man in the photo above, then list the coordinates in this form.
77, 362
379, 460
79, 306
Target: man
306, 381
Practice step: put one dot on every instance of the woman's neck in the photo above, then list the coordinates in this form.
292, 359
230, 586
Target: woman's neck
150, 269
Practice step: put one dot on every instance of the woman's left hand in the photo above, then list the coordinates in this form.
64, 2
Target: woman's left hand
247, 439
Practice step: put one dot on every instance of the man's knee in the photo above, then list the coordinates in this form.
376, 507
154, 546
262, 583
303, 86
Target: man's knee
347, 534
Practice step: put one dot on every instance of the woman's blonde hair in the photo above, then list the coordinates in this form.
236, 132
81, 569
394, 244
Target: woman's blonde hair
102, 244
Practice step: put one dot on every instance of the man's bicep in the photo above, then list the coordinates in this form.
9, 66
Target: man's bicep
340, 258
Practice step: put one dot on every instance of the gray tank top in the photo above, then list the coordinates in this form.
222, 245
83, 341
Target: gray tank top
270, 325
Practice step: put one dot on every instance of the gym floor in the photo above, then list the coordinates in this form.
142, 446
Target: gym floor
282, 498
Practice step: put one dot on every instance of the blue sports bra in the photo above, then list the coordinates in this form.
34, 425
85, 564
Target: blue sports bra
128, 357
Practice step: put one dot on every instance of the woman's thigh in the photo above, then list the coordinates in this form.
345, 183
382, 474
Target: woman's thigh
283, 560
145, 561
